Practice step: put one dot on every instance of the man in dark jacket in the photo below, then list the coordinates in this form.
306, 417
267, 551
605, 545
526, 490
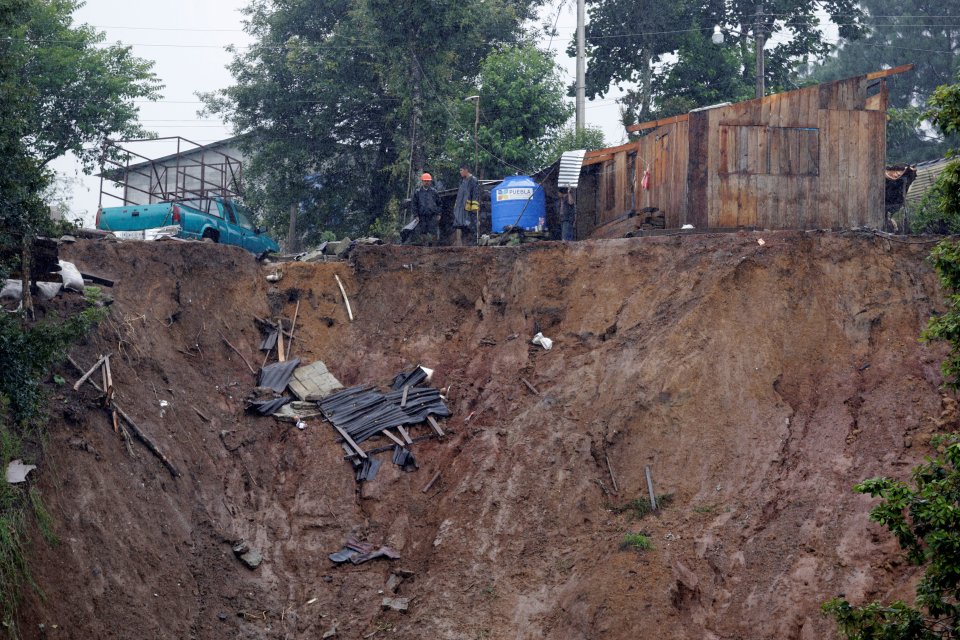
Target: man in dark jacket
467, 207
425, 205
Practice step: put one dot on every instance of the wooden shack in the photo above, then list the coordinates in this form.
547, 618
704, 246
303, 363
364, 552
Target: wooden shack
805, 159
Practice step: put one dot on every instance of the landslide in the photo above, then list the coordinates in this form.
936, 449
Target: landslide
758, 383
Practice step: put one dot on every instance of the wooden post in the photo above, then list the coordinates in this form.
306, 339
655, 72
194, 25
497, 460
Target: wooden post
403, 432
293, 327
280, 353
86, 375
653, 496
403, 400
350, 441
435, 426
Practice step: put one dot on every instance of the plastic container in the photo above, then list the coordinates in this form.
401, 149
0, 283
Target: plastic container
517, 197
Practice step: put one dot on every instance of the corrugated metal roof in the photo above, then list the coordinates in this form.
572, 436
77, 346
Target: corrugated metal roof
570, 164
277, 375
927, 174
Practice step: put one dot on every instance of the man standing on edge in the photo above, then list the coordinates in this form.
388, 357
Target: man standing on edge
568, 214
426, 206
467, 208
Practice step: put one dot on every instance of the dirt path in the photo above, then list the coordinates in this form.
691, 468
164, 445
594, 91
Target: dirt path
759, 383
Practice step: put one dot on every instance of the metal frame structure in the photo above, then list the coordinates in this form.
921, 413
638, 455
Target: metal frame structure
193, 178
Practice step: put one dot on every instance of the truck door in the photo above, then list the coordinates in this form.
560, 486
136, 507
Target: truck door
232, 235
249, 237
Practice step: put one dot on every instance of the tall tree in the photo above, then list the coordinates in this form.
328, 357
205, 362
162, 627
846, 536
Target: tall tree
62, 89
360, 95
522, 109
662, 49
925, 33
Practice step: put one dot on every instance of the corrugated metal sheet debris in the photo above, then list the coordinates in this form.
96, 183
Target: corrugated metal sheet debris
276, 376
570, 164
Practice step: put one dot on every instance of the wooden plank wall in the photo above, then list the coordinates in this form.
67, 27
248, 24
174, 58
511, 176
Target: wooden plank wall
805, 159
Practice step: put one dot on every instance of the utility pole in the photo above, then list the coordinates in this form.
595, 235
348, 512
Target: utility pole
476, 128
758, 30
581, 66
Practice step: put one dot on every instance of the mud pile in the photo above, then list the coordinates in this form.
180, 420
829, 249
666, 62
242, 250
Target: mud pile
758, 382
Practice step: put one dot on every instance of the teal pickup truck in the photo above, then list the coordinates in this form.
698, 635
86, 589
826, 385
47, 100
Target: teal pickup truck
217, 219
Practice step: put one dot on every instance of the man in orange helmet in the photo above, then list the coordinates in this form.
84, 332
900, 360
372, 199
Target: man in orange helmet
425, 205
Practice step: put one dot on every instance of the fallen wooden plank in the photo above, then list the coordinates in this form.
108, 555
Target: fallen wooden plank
350, 441
653, 497
133, 426
237, 351
86, 375
293, 327
532, 388
107, 282
435, 477
435, 426
613, 480
387, 433
107, 382
345, 299
199, 413
280, 354
403, 432
403, 400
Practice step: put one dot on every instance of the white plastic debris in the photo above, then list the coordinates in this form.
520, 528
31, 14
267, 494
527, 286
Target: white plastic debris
12, 290
301, 424
275, 277
761, 242
427, 371
687, 226
543, 341
163, 407
72, 279
17, 471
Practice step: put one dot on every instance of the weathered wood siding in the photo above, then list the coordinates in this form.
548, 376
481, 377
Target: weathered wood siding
804, 159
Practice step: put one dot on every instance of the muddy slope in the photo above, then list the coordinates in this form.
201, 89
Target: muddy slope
757, 382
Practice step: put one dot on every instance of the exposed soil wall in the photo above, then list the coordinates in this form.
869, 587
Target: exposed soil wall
759, 383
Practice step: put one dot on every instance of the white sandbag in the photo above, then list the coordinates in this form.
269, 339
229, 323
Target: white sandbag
72, 279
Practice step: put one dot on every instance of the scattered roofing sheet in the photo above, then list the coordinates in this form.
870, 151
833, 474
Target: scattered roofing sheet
411, 379
313, 381
368, 470
403, 458
268, 407
358, 552
275, 376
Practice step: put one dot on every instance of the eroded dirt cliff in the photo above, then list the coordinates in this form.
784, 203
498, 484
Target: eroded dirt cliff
759, 383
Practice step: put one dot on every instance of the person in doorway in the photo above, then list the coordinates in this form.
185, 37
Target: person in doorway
425, 206
467, 207
568, 213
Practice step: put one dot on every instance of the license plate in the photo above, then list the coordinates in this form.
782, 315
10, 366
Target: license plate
148, 234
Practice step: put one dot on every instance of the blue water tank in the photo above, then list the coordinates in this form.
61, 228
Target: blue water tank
517, 197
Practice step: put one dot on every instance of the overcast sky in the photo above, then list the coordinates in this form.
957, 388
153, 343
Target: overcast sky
186, 39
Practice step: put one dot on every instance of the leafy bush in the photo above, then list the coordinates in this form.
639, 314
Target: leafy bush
27, 353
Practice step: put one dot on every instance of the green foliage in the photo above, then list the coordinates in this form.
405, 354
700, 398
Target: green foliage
902, 32
522, 107
569, 139
62, 89
636, 542
946, 326
667, 55
940, 210
925, 520
639, 507
27, 352
359, 96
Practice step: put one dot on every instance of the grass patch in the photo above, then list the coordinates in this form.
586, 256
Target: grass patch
705, 509
639, 507
28, 351
636, 542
